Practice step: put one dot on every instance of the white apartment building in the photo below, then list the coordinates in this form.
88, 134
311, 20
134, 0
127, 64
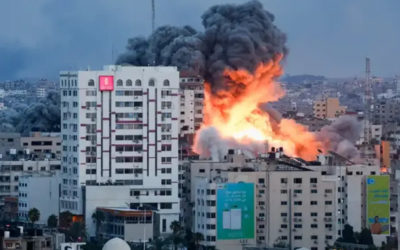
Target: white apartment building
296, 204
40, 191
120, 127
10, 172
191, 104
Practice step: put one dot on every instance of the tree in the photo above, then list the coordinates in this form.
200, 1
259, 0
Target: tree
65, 219
98, 218
77, 232
177, 234
157, 244
33, 215
197, 237
365, 237
52, 221
348, 234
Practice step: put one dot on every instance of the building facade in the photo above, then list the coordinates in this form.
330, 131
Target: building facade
120, 127
46, 201
328, 108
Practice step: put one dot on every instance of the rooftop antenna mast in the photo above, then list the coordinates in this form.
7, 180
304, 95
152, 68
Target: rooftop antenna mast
368, 101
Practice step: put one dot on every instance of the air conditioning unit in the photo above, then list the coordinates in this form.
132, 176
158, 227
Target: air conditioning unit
315, 242
280, 230
315, 219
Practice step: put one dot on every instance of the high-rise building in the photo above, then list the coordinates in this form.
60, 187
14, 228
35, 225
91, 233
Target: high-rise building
120, 128
191, 101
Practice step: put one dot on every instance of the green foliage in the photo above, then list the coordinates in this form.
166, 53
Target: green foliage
365, 237
52, 221
34, 215
77, 232
348, 234
65, 219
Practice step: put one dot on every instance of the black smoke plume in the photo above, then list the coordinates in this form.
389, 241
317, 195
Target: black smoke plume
234, 37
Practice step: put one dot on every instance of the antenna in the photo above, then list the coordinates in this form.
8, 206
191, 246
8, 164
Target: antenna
367, 100
153, 15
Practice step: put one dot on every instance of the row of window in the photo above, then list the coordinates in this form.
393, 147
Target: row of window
129, 83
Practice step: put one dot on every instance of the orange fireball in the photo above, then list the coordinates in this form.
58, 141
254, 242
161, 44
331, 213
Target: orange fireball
235, 112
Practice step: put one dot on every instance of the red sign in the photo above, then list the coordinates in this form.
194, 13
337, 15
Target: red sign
106, 83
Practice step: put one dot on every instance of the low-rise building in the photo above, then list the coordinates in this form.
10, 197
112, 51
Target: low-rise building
40, 191
296, 203
328, 108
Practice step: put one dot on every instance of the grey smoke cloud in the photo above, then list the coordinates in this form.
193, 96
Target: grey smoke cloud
234, 37
341, 136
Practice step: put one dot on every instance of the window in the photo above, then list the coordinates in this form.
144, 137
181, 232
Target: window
298, 203
314, 214
283, 225
298, 237
166, 182
166, 82
165, 205
164, 225
138, 83
297, 214
328, 202
283, 214
314, 225
119, 82
261, 181
313, 180
314, 191
151, 82
283, 203
284, 180
297, 191
128, 82
283, 191
313, 203
91, 83
297, 180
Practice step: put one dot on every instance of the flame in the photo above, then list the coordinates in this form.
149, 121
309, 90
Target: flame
235, 112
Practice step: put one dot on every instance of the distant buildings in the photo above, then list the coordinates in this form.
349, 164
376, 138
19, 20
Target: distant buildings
328, 108
120, 129
296, 204
37, 155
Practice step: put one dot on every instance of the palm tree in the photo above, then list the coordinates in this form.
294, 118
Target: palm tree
33, 215
177, 237
98, 218
52, 221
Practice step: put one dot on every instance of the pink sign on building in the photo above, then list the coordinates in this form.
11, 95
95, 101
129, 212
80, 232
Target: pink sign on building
106, 83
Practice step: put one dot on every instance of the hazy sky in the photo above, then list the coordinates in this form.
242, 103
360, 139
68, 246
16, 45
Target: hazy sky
330, 37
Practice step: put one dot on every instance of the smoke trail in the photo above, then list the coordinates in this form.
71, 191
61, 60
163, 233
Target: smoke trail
341, 135
234, 37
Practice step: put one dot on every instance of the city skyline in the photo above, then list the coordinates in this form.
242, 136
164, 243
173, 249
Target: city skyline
330, 38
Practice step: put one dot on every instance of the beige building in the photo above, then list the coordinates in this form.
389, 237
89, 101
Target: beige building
328, 108
41, 144
297, 203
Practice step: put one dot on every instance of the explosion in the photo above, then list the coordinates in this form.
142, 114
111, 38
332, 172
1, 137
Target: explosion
236, 114
238, 54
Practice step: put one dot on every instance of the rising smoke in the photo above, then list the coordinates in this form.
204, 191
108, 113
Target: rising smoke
341, 136
234, 37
